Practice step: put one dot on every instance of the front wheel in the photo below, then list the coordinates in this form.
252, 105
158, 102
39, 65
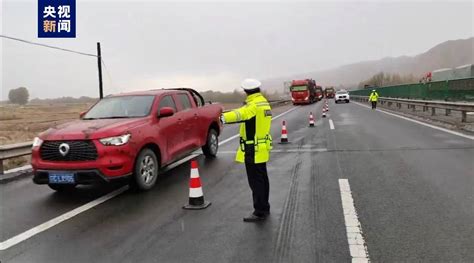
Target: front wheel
145, 171
212, 144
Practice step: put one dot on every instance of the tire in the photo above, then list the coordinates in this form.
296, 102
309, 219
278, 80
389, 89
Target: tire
347, 101
145, 171
212, 144
62, 188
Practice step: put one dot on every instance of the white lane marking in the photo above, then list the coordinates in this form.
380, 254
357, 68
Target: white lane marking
274, 118
68, 215
46, 225
179, 162
422, 123
331, 124
228, 139
357, 246
287, 151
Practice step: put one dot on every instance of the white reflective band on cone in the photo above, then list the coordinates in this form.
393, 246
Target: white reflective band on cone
195, 192
194, 173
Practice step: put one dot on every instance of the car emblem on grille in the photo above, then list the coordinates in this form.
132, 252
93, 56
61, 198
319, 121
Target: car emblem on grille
64, 149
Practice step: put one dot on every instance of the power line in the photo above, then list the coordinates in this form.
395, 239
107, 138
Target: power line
48, 46
112, 83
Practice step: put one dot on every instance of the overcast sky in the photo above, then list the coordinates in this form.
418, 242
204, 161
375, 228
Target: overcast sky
214, 45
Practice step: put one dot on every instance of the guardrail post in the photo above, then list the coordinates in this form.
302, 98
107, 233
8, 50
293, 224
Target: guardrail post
448, 111
413, 107
425, 108
464, 116
1, 167
433, 111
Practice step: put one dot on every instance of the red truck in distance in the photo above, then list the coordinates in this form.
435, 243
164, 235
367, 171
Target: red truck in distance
329, 92
303, 91
130, 135
319, 93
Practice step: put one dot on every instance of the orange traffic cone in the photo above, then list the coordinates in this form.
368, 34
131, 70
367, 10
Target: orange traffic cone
196, 196
311, 120
284, 133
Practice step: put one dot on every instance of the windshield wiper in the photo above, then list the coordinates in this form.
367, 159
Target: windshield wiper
111, 117
116, 117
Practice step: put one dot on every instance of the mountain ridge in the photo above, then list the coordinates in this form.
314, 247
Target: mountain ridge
448, 54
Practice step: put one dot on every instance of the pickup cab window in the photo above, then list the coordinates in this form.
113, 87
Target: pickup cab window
167, 101
185, 102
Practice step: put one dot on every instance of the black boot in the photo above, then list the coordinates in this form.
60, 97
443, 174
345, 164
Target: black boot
255, 218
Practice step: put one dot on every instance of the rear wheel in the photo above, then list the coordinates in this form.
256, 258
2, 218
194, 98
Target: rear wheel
145, 171
212, 144
62, 187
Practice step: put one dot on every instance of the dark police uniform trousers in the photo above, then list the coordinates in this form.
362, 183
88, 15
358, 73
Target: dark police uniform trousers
256, 174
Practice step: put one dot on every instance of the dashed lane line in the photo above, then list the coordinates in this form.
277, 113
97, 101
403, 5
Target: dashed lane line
48, 224
357, 245
68, 215
331, 124
419, 122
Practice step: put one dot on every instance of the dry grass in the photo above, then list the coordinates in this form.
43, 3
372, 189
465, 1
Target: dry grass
23, 123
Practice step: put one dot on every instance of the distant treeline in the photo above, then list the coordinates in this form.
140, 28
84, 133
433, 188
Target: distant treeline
82, 99
384, 79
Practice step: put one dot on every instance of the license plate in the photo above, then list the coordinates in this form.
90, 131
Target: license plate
61, 178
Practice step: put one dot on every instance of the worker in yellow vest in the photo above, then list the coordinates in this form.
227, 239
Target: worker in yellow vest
255, 119
374, 96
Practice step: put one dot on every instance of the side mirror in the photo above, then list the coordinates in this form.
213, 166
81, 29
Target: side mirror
81, 115
166, 112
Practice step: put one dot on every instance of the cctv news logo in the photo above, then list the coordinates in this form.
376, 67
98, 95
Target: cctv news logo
56, 18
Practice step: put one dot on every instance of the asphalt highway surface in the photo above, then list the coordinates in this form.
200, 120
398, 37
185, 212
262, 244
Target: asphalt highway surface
411, 199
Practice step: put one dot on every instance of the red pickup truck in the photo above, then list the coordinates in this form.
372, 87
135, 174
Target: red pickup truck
130, 135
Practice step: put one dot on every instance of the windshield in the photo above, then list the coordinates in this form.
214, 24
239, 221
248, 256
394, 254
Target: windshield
299, 88
341, 92
121, 107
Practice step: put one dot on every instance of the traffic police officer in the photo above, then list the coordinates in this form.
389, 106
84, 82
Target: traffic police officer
255, 144
374, 96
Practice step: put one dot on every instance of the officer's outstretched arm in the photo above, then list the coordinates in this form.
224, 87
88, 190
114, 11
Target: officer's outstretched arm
241, 114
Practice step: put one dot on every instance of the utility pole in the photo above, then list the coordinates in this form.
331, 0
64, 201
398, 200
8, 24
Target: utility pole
99, 63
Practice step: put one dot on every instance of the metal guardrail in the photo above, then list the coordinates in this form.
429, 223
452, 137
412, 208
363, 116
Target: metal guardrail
463, 107
14, 150
278, 102
21, 149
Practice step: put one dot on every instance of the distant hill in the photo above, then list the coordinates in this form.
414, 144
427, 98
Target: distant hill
448, 54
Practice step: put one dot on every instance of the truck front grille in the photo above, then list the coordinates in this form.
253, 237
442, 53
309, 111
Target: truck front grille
78, 151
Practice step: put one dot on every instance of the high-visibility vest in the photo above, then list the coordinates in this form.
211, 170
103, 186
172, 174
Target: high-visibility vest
256, 119
374, 96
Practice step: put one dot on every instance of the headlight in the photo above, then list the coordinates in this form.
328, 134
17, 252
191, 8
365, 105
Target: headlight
116, 141
307, 97
37, 142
